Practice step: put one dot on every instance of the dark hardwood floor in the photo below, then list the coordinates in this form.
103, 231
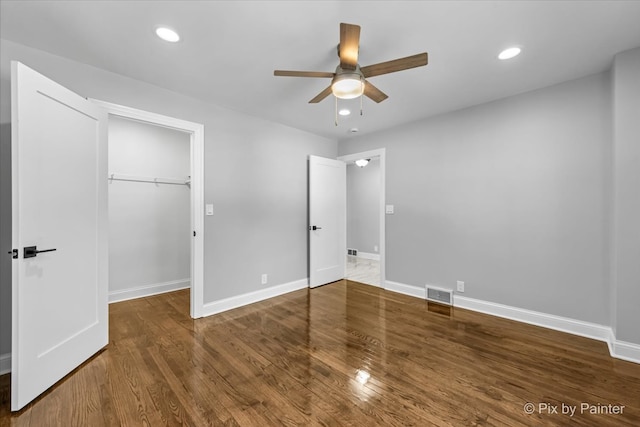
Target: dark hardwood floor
341, 354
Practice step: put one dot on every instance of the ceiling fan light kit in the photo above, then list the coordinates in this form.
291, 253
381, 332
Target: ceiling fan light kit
349, 80
347, 85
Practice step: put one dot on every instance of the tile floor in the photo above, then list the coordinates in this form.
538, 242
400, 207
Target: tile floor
363, 270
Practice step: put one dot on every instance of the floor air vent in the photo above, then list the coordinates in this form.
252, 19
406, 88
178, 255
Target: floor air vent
441, 295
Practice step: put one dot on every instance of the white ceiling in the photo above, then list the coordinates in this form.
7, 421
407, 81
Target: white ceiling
229, 49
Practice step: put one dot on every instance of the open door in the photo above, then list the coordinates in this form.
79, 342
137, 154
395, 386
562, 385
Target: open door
59, 232
327, 220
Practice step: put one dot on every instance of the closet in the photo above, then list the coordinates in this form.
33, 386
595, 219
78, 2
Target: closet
149, 209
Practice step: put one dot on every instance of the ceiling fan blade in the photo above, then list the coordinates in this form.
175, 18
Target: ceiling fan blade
374, 93
285, 73
322, 95
349, 46
418, 60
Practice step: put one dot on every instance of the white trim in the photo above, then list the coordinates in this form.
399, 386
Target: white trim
5, 363
382, 154
252, 297
624, 350
401, 288
618, 349
148, 290
550, 321
197, 222
196, 130
368, 255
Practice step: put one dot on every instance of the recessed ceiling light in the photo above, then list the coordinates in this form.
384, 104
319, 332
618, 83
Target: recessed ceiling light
344, 112
353, 130
167, 34
509, 53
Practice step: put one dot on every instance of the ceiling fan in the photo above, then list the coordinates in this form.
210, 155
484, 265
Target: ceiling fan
349, 79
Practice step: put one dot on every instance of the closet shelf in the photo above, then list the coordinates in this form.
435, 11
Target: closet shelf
153, 180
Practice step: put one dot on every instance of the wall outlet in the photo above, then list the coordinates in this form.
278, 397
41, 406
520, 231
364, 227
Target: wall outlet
460, 286
265, 279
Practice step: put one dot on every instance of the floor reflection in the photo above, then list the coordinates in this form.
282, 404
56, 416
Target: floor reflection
442, 309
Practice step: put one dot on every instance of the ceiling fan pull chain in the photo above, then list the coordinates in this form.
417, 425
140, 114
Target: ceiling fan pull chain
361, 95
336, 119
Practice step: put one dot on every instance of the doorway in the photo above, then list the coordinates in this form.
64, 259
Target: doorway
185, 185
365, 250
149, 209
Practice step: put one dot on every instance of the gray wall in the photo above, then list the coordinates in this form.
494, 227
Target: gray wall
626, 206
363, 207
255, 175
149, 224
509, 196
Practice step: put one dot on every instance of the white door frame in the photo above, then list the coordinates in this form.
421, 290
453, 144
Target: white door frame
380, 153
196, 132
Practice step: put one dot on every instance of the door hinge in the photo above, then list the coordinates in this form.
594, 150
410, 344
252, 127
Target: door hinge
14, 253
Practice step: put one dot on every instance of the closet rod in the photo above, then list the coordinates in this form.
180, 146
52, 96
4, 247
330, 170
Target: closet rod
153, 180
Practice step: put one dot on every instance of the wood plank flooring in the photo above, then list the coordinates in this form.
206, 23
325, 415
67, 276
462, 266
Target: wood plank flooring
344, 354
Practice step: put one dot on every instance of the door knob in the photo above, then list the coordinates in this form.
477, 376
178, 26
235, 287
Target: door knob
32, 251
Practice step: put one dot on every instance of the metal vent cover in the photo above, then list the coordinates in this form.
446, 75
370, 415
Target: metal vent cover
441, 295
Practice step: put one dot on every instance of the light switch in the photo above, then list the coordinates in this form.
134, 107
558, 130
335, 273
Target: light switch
210, 209
388, 209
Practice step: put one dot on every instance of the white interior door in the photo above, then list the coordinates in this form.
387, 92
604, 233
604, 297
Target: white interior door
59, 201
327, 220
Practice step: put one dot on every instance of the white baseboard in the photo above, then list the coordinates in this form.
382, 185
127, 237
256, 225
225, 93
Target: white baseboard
367, 255
251, 297
148, 290
550, 321
624, 350
401, 288
5, 363
618, 349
